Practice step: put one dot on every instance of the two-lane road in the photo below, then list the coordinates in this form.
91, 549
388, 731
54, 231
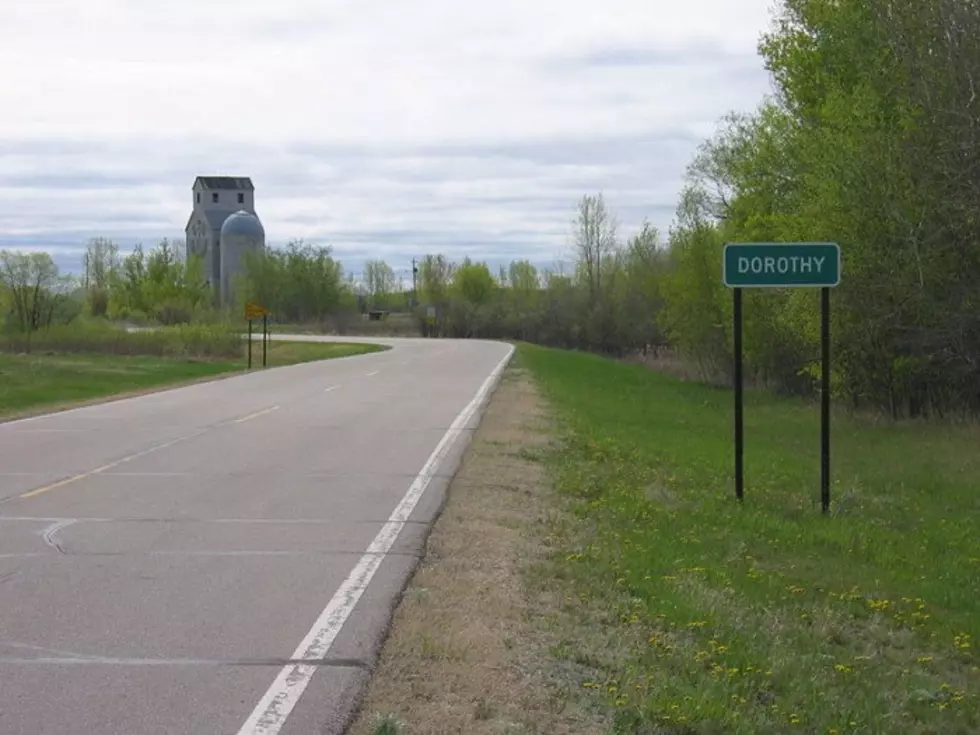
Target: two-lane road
223, 558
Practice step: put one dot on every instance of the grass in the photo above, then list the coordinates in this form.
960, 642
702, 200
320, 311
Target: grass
763, 617
54, 379
386, 725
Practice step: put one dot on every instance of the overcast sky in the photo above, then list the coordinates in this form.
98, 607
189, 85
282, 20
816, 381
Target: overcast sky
382, 128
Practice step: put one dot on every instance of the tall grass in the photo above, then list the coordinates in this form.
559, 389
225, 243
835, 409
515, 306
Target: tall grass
189, 341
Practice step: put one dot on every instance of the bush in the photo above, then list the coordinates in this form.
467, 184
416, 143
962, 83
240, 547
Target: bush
172, 313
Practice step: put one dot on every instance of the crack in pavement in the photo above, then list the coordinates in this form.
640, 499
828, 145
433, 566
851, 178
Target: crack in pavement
50, 534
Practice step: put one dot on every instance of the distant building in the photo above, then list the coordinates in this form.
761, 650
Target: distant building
217, 201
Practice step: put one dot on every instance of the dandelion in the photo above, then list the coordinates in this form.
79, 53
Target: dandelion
923, 659
843, 669
795, 719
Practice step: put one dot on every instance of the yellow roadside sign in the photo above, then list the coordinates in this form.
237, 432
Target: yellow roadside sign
254, 311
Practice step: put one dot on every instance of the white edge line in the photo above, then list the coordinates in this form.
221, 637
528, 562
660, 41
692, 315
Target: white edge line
271, 712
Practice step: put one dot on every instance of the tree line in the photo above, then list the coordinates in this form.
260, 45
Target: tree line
870, 139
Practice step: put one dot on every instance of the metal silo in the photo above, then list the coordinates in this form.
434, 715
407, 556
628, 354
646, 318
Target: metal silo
241, 233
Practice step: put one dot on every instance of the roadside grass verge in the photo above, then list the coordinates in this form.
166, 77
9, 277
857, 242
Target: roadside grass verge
711, 617
53, 380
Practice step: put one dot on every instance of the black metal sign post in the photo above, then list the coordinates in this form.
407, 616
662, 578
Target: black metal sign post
254, 311
249, 344
825, 400
265, 337
739, 436
783, 265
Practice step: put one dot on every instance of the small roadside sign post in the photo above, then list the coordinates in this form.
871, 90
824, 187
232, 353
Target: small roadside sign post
784, 265
254, 311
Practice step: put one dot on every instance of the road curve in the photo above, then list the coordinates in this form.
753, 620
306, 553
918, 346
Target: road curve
224, 557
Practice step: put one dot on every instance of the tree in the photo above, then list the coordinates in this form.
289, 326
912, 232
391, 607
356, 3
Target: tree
34, 289
435, 275
301, 283
474, 283
523, 277
160, 284
100, 265
380, 281
595, 240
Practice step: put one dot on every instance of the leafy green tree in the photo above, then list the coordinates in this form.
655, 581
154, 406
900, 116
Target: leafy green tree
301, 283
435, 277
100, 266
381, 283
33, 289
160, 285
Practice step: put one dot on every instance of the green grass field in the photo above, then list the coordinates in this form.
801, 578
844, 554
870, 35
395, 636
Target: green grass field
765, 617
51, 379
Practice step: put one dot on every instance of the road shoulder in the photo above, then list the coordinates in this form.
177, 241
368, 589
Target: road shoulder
467, 650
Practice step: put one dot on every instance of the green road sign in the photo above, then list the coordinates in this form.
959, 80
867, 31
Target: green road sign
782, 265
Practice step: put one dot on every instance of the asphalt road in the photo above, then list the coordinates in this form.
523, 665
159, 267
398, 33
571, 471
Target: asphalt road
224, 558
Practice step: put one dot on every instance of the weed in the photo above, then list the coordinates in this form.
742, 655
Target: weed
705, 615
387, 725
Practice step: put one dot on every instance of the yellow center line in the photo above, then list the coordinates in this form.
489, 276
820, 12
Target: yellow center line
255, 415
66, 481
103, 468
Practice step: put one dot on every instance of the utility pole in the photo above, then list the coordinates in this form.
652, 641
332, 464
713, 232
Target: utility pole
415, 293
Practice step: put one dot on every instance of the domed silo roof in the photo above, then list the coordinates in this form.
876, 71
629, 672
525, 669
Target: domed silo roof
242, 224
241, 233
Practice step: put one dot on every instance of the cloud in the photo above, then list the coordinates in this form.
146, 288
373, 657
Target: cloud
381, 128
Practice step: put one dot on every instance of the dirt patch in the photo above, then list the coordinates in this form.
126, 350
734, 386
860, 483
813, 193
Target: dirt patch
467, 652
